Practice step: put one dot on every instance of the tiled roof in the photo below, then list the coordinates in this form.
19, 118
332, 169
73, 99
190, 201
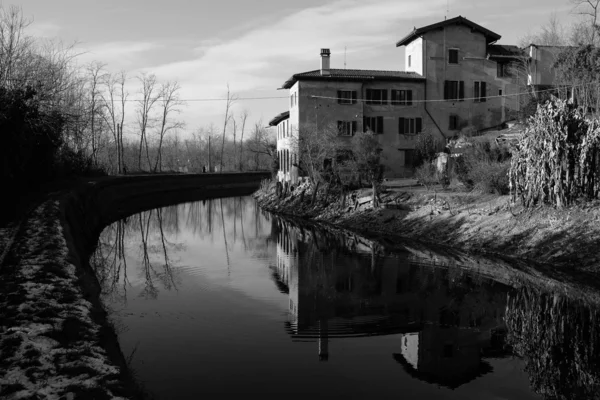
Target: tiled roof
281, 117
353, 74
505, 51
489, 35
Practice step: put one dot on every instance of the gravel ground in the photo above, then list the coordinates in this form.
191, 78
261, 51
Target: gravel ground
49, 344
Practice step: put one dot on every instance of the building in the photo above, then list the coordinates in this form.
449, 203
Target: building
464, 67
386, 102
456, 80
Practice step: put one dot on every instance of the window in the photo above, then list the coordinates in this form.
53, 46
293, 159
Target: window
454, 90
410, 126
346, 128
409, 60
479, 91
292, 100
402, 97
346, 96
448, 350
376, 96
452, 56
499, 92
453, 123
375, 124
501, 70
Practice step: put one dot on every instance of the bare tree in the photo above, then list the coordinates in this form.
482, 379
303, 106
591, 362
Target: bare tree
145, 107
115, 93
16, 48
96, 74
171, 103
234, 123
243, 117
315, 146
262, 143
588, 9
229, 102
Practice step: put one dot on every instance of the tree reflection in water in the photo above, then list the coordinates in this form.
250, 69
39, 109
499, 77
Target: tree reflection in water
451, 324
154, 235
559, 339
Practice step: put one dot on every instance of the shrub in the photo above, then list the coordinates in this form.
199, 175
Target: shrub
484, 166
427, 174
556, 161
490, 176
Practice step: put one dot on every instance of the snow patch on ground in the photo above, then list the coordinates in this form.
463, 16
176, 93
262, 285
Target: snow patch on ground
49, 344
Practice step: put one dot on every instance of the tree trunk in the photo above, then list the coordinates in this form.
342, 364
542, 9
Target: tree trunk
375, 198
314, 196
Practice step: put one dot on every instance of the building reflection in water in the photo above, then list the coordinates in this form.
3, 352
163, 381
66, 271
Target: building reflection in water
447, 321
449, 324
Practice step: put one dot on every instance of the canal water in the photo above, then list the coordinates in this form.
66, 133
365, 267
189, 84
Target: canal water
218, 299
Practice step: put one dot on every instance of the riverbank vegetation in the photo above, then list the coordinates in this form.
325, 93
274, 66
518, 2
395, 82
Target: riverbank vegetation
552, 173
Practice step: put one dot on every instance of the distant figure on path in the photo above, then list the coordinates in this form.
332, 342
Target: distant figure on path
124, 170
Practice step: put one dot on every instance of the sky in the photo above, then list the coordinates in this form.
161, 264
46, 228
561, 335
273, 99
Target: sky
255, 46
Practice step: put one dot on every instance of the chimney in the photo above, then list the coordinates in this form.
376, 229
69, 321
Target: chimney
325, 62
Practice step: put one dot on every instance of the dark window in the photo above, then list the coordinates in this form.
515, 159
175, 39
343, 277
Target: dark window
409, 60
374, 124
501, 70
448, 350
409, 156
479, 91
399, 285
410, 126
343, 284
454, 90
346, 128
402, 97
376, 96
453, 122
499, 92
453, 56
346, 96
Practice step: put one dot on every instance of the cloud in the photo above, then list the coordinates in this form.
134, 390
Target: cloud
261, 59
43, 29
120, 54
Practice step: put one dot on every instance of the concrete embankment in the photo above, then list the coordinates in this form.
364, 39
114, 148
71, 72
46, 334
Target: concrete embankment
55, 338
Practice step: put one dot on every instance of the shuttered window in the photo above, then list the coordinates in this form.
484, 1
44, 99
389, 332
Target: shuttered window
347, 128
454, 90
453, 122
376, 96
479, 91
410, 126
452, 56
346, 96
402, 97
374, 124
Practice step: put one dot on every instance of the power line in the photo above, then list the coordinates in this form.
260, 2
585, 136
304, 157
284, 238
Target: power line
453, 100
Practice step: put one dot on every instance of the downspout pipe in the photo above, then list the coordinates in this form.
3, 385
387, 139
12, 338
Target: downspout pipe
425, 95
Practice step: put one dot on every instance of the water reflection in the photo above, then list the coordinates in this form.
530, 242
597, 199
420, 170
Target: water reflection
447, 321
439, 325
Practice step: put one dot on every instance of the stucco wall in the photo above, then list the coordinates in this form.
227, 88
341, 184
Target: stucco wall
322, 112
415, 50
472, 66
541, 71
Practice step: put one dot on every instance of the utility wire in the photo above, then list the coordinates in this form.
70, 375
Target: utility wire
361, 100
450, 100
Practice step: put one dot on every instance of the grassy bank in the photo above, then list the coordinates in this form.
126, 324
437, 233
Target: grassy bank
482, 223
55, 337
